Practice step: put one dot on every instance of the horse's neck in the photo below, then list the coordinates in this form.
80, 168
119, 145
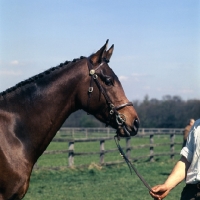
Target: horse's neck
41, 108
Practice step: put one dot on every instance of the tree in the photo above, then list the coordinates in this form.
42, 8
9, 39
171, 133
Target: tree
170, 112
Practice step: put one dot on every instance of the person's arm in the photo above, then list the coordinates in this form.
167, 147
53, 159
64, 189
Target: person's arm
177, 175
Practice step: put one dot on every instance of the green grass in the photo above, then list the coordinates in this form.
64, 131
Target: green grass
101, 183
108, 183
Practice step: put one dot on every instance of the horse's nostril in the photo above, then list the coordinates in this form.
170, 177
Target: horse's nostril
136, 125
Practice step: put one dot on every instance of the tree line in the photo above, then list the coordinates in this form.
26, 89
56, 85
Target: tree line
170, 112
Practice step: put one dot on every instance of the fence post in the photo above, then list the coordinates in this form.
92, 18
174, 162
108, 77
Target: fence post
151, 148
108, 132
86, 133
172, 136
128, 149
71, 154
143, 132
102, 151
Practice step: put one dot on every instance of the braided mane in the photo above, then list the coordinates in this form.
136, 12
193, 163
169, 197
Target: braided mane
38, 76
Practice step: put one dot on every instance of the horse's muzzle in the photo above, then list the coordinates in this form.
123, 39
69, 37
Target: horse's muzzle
128, 131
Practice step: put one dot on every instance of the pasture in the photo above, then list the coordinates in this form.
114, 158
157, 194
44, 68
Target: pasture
52, 179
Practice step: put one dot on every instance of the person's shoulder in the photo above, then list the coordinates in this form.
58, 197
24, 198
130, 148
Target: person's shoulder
196, 126
197, 123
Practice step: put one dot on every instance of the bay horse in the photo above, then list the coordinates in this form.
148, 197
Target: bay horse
34, 110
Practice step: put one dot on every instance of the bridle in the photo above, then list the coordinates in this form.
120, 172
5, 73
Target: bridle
120, 118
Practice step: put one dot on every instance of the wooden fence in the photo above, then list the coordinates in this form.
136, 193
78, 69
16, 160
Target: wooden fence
71, 136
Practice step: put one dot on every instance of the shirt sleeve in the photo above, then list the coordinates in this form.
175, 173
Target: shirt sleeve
187, 154
188, 150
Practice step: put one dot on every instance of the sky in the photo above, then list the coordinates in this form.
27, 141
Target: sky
157, 42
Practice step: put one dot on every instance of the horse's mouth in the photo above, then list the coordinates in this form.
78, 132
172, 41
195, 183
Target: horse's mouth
126, 131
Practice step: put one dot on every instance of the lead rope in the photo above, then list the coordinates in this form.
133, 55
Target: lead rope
130, 165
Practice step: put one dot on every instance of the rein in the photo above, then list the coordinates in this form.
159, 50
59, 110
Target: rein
120, 118
130, 165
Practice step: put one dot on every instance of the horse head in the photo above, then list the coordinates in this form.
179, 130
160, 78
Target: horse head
106, 99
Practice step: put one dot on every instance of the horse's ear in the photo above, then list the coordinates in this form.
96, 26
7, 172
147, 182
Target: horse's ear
109, 53
101, 53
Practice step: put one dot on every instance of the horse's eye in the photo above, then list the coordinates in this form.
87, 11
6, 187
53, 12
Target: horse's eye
108, 81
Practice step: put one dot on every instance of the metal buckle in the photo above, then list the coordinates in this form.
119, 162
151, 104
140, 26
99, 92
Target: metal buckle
111, 112
92, 71
112, 106
94, 76
90, 89
198, 185
120, 118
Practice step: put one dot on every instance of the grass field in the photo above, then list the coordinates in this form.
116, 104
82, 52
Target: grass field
108, 183
102, 183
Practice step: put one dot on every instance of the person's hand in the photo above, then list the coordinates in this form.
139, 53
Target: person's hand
159, 192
